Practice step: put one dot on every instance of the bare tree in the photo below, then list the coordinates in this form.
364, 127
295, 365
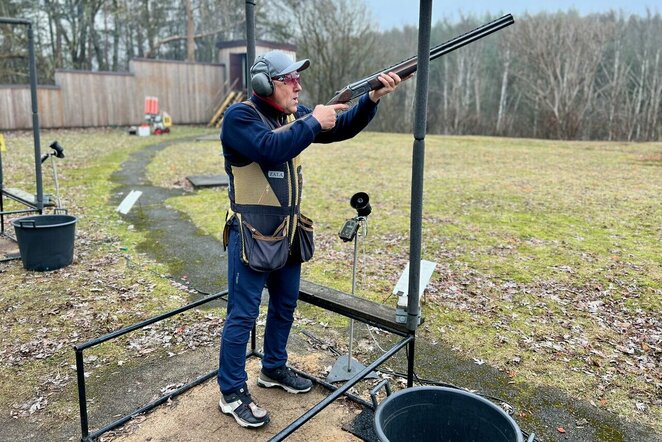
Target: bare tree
339, 37
560, 55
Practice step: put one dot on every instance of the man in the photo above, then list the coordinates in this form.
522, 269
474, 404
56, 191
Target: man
267, 238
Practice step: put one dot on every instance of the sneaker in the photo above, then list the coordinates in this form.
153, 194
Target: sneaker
243, 408
284, 378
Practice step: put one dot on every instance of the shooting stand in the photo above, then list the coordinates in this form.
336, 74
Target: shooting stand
363, 310
34, 203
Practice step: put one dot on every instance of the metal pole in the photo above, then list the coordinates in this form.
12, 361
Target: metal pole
253, 338
250, 42
130, 328
418, 163
351, 321
35, 120
57, 185
250, 58
82, 398
340, 391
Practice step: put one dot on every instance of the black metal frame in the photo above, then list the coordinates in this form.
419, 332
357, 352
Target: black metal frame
408, 340
80, 370
38, 205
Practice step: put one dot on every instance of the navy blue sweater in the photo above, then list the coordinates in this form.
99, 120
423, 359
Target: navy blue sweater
245, 137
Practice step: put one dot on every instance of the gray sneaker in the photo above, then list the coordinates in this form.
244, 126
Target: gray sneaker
284, 378
243, 408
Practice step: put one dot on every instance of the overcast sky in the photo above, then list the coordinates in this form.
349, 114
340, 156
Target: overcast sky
395, 13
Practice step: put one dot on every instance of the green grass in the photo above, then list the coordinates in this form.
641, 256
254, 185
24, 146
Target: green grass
526, 234
46, 313
548, 252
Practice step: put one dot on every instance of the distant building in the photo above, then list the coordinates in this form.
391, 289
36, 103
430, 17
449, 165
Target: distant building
232, 54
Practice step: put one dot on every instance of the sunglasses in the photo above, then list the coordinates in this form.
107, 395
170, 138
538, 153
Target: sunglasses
290, 79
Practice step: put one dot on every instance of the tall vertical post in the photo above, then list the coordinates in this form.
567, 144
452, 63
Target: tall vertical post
250, 42
418, 163
35, 119
250, 59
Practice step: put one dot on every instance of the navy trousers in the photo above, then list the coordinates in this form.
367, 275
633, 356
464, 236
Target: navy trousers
244, 295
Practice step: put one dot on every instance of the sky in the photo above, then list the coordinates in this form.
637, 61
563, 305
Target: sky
396, 13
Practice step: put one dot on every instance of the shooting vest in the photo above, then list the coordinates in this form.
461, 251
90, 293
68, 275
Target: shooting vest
265, 199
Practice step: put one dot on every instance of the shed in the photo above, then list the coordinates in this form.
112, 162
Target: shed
233, 55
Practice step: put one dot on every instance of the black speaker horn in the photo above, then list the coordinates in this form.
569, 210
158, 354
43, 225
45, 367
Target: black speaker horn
59, 151
361, 202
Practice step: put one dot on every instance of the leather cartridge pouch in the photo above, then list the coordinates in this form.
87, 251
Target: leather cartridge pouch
303, 247
229, 218
264, 253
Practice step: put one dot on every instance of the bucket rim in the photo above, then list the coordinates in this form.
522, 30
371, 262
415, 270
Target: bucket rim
459, 391
21, 222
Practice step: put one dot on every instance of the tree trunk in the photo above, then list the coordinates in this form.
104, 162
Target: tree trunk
190, 32
502, 95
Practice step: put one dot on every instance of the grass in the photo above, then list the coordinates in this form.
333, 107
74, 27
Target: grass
547, 252
44, 314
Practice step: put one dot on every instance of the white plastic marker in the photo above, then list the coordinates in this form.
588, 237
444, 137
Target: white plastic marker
128, 202
402, 289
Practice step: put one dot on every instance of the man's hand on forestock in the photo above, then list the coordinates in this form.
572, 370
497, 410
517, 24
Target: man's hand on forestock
390, 82
326, 115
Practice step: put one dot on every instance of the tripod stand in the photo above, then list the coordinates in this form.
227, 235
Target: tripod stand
346, 367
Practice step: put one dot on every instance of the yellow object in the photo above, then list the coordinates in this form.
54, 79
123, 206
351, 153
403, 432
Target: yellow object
167, 120
3, 148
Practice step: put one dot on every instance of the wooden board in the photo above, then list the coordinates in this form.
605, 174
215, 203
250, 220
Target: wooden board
353, 307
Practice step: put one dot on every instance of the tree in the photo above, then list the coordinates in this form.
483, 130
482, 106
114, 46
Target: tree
337, 35
559, 57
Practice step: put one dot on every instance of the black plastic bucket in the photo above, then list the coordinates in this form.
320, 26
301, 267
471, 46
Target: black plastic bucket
46, 242
425, 414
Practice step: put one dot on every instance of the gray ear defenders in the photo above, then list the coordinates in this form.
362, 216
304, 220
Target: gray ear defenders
261, 79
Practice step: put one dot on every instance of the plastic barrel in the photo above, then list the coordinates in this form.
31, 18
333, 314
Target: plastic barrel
424, 414
46, 242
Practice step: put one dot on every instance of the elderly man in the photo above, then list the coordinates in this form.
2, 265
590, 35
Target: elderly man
266, 235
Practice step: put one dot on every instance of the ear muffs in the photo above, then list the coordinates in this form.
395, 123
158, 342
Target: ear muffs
261, 79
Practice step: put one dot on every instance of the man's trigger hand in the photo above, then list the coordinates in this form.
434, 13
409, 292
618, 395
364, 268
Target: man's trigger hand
326, 115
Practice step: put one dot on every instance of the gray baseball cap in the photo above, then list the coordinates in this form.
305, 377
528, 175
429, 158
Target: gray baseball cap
280, 64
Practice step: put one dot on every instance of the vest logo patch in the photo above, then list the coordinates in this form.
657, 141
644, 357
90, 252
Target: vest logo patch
276, 174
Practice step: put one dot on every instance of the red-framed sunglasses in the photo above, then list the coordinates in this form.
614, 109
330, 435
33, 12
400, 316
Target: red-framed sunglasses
291, 78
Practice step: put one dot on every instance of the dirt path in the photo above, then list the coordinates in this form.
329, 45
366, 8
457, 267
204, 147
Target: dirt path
195, 416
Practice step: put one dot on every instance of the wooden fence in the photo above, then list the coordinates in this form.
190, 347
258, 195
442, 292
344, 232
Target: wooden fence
186, 91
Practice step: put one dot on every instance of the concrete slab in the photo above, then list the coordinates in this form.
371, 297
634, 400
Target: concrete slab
199, 181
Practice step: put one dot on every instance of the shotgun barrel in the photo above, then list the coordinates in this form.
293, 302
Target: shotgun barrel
409, 66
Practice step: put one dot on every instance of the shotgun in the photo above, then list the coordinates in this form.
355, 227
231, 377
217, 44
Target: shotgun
409, 66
